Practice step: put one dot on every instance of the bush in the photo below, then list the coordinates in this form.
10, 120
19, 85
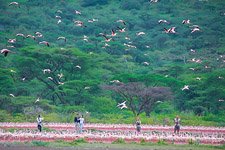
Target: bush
130, 4
40, 143
119, 141
86, 3
162, 142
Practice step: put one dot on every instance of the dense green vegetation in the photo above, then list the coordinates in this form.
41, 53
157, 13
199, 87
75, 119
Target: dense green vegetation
156, 59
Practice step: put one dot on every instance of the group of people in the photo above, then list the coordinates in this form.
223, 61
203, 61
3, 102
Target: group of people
176, 125
79, 124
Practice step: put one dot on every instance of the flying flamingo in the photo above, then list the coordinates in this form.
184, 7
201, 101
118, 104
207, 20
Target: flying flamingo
140, 33
122, 105
11, 40
121, 21
153, 1
77, 66
113, 33
79, 23
31, 36
186, 21
46, 70
163, 21
121, 29
186, 87
170, 30
61, 38
20, 34
45, 43
77, 12
195, 29
6, 51
15, 4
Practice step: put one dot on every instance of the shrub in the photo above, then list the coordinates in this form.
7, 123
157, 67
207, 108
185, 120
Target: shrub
40, 143
86, 3
119, 141
162, 142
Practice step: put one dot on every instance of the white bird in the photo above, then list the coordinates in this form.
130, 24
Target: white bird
92, 20
6, 51
45, 43
153, 1
87, 87
121, 29
146, 63
12, 95
62, 38
20, 34
31, 36
193, 69
37, 100
113, 33
163, 21
115, 81
198, 78
50, 78
140, 33
12, 41
59, 11
58, 17
14, 3
170, 30
221, 100
127, 38
46, 70
77, 12
192, 50
79, 23
186, 21
122, 105
60, 75
186, 87
195, 29
158, 101
77, 66
59, 21
60, 83
121, 21
39, 35
12, 71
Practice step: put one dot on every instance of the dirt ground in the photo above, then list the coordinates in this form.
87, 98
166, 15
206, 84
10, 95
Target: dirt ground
98, 146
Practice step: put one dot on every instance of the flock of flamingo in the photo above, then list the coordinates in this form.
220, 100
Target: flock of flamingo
109, 37
109, 133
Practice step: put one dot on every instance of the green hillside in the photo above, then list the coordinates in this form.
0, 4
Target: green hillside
70, 67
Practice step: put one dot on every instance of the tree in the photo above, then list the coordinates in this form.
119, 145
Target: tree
139, 97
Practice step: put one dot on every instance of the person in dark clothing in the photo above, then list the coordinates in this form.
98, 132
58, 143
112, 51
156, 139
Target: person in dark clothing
76, 121
39, 122
138, 125
177, 125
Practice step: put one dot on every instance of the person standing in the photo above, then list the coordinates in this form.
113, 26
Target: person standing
39, 122
81, 122
138, 125
177, 125
76, 122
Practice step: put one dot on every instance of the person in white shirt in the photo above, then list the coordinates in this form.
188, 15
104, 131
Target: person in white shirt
39, 122
177, 125
81, 121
